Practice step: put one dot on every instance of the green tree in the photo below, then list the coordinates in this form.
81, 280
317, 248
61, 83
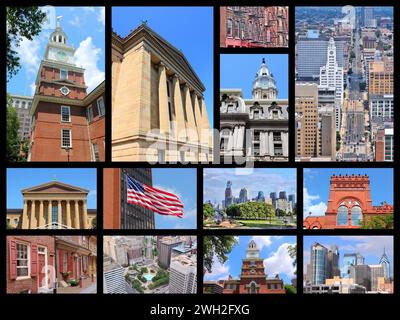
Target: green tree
378, 222
13, 142
208, 211
94, 223
218, 246
22, 22
363, 86
290, 289
292, 251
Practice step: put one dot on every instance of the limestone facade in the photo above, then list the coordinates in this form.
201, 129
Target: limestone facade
158, 108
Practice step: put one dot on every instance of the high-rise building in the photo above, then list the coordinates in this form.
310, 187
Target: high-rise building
331, 76
318, 264
381, 77
361, 275
350, 259
255, 129
282, 195
156, 97
166, 245
183, 274
381, 108
22, 105
148, 247
228, 194
67, 124
384, 144
118, 213
260, 196
243, 195
311, 55
292, 200
273, 197
368, 17
385, 263
113, 277
333, 262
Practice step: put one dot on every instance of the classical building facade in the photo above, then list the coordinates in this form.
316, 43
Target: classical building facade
29, 262
158, 108
118, 213
254, 27
253, 279
76, 259
53, 205
349, 204
255, 129
67, 124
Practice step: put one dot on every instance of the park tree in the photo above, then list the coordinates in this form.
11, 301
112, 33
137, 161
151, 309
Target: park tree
378, 222
208, 211
22, 22
218, 246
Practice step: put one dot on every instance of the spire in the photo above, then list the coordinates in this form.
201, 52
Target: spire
264, 85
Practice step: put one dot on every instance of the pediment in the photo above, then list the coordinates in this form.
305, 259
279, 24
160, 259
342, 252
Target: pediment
54, 187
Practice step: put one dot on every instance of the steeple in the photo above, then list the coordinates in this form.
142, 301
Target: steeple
252, 251
264, 85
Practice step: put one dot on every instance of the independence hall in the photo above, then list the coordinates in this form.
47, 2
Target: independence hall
254, 27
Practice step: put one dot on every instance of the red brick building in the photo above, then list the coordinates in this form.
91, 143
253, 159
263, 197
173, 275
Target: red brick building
349, 204
253, 27
30, 264
253, 279
67, 124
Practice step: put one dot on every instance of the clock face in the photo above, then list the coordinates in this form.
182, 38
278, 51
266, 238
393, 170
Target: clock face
64, 90
62, 56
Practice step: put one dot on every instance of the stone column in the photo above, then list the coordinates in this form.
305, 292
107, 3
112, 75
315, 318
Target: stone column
192, 134
163, 108
180, 126
59, 214
205, 124
285, 148
230, 141
85, 218
77, 226
266, 143
262, 144
69, 223
42, 221
33, 221
240, 138
25, 224
197, 113
271, 144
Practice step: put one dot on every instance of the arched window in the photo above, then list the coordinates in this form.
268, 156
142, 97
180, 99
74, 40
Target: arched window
356, 216
342, 219
253, 287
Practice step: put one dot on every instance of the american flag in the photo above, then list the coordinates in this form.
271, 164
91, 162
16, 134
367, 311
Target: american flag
156, 200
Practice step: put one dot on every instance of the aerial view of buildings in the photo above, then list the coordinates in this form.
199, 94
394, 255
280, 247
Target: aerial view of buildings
348, 264
51, 264
344, 84
254, 27
124, 212
150, 264
51, 198
348, 198
256, 128
249, 198
249, 265
161, 84
56, 86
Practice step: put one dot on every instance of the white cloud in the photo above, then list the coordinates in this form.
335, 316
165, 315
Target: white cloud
218, 271
280, 262
310, 205
101, 17
75, 22
88, 9
33, 88
92, 193
28, 52
87, 56
262, 241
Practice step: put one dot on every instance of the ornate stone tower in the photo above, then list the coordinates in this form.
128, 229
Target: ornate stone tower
264, 85
253, 273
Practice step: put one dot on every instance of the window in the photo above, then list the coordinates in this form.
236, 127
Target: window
95, 149
66, 139
54, 214
356, 216
100, 106
342, 216
65, 114
229, 27
22, 260
63, 74
89, 113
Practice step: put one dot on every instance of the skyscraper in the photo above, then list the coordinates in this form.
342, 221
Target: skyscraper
260, 197
350, 259
318, 263
333, 262
272, 195
331, 76
361, 275
385, 263
228, 194
282, 195
292, 200
183, 274
243, 195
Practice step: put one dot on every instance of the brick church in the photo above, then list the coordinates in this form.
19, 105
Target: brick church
67, 124
349, 204
253, 279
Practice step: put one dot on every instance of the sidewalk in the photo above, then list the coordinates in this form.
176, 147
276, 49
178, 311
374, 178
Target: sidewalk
87, 287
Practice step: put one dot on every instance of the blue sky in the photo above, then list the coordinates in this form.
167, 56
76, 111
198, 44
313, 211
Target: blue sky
181, 182
254, 179
371, 247
317, 184
22, 178
239, 71
273, 249
189, 29
84, 27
